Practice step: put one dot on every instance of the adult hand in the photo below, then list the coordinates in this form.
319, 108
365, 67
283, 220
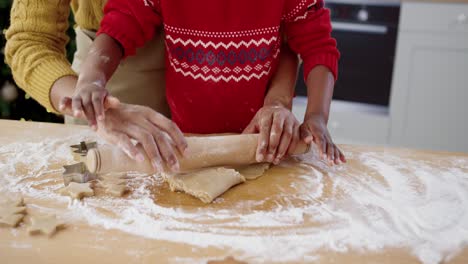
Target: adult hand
158, 135
279, 133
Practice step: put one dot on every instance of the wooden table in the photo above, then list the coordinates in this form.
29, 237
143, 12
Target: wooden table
384, 206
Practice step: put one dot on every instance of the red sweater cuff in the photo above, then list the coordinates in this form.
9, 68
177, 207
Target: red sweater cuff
328, 60
119, 27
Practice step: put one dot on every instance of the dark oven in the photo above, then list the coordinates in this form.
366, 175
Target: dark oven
366, 32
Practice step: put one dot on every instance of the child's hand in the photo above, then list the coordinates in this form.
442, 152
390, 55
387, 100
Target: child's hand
314, 129
89, 99
279, 132
90, 94
89, 102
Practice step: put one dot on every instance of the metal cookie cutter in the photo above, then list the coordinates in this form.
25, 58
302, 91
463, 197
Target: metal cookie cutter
83, 147
77, 173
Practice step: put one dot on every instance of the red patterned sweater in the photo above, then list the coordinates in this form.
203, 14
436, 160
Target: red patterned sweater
221, 54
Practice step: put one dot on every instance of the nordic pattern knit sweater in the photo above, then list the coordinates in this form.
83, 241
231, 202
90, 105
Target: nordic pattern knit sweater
221, 54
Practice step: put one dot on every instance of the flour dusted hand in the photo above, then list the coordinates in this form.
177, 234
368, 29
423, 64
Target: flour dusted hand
90, 95
160, 138
90, 105
88, 99
314, 129
279, 132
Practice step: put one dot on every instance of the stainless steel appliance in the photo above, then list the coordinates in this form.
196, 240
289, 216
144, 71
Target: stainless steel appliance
366, 32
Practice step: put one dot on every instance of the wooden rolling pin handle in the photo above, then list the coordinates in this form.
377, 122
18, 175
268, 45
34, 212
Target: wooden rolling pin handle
202, 152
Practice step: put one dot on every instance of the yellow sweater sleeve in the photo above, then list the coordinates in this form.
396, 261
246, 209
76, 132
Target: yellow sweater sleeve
35, 48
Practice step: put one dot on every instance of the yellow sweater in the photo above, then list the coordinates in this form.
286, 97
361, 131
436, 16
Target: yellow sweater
37, 38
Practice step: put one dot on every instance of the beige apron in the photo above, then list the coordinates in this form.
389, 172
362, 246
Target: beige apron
138, 79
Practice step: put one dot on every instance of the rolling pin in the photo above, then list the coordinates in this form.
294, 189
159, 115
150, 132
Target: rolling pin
202, 152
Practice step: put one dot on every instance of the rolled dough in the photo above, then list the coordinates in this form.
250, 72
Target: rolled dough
254, 171
117, 189
114, 184
205, 184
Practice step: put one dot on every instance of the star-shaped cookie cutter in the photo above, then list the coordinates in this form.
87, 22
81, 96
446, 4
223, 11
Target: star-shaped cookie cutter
83, 147
78, 173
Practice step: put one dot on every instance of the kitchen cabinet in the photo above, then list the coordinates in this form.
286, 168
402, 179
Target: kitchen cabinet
429, 107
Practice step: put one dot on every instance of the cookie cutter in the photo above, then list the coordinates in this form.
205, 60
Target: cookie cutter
83, 147
78, 173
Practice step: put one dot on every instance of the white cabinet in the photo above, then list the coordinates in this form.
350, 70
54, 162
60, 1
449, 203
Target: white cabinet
429, 102
429, 98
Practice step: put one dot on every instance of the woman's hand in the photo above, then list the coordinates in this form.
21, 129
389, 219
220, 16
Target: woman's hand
314, 129
279, 132
159, 136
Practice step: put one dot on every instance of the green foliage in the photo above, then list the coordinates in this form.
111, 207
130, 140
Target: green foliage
5, 4
4, 71
71, 47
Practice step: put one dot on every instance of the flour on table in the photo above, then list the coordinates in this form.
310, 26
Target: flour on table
388, 201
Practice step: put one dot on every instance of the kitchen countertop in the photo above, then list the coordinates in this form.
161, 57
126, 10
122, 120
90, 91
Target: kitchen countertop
384, 206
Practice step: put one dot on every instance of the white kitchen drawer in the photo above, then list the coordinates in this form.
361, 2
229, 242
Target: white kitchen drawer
434, 17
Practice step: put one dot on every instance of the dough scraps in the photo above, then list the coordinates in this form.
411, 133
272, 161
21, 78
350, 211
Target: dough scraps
78, 190
114, 184
117, 189
253, 171
205, 184
12, 211
47, 225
